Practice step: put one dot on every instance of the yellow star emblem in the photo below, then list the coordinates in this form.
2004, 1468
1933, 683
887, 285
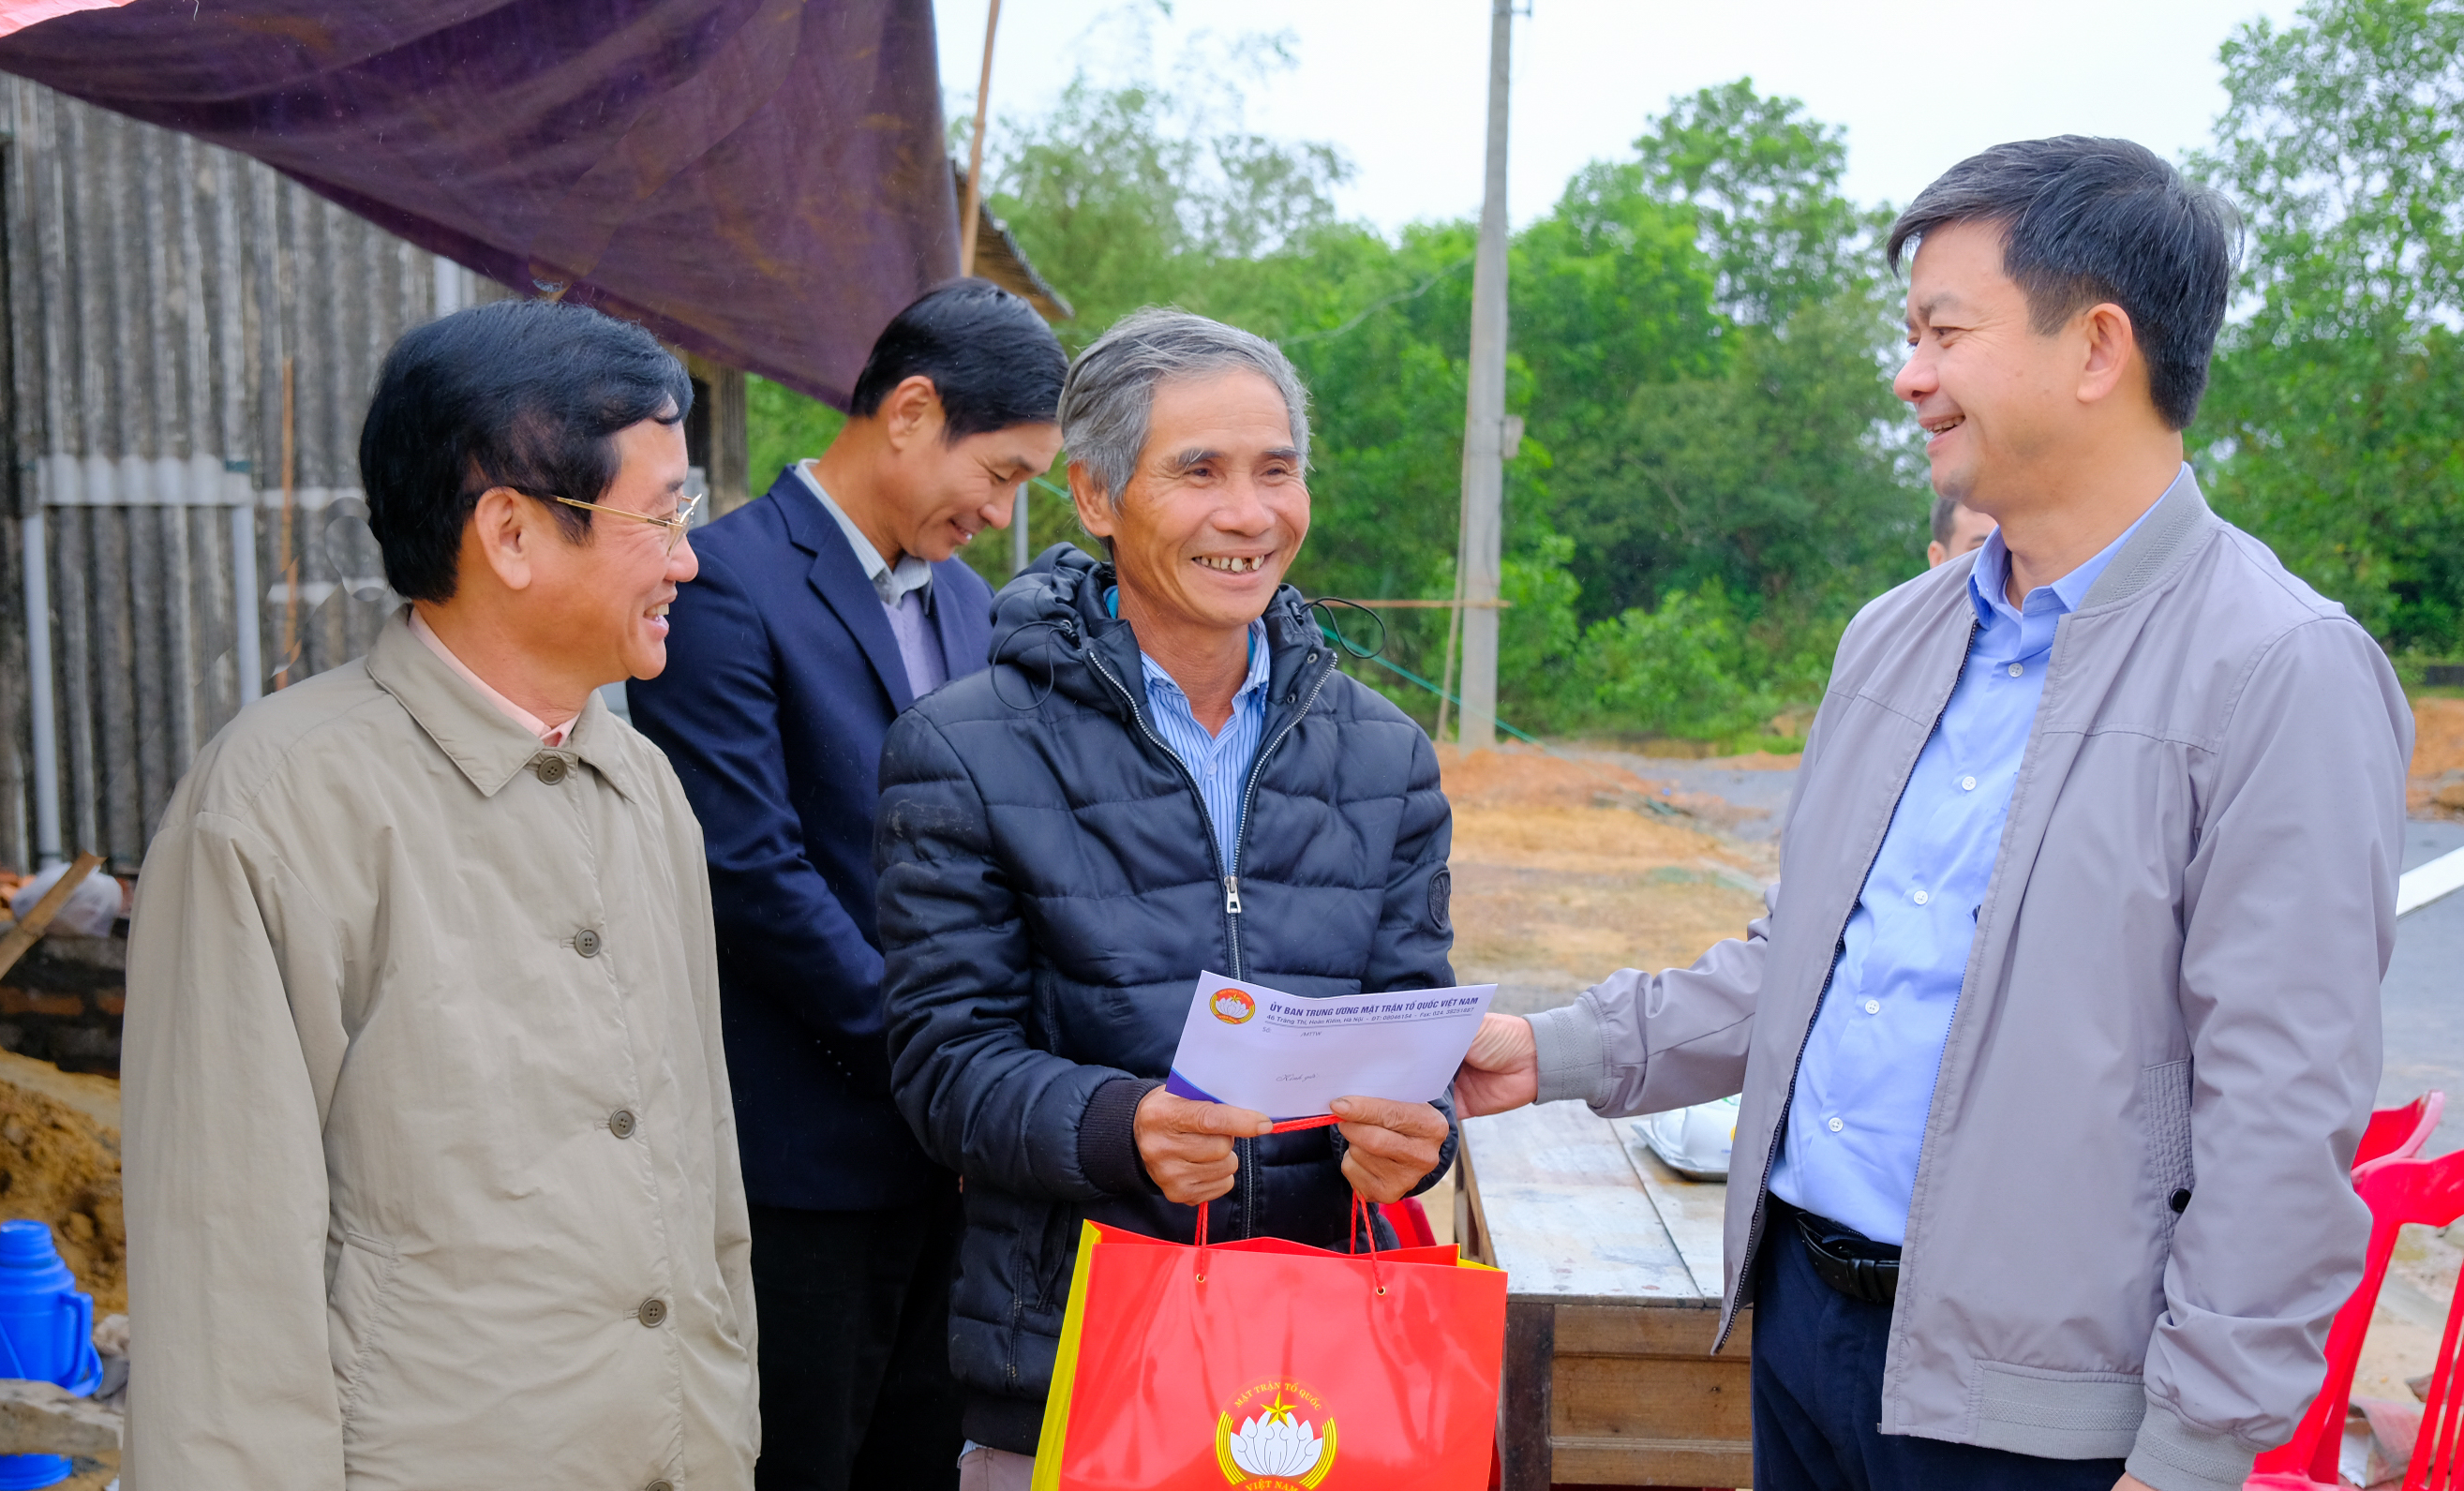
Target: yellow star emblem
1279, 1410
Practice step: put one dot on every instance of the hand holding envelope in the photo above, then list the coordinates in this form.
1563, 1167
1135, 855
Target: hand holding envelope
1186, 1145
1250, 1053
1388, 1146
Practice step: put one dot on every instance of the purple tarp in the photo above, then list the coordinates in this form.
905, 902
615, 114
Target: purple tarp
763, 182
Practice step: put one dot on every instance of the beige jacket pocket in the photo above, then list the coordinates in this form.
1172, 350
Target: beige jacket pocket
359, 1292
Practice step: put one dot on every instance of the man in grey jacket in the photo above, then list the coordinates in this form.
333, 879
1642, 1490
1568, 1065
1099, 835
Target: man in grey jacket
2062, 1027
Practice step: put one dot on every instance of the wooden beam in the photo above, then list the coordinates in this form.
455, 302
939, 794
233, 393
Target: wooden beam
1652, 1463
41, 1418
1522, 1397
973, 207
22, 936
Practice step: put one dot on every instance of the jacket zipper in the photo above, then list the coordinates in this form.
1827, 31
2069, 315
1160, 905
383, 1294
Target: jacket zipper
1250, 800
1227, 874
1232, 909
1214, 855
1248, 1147
1838, 949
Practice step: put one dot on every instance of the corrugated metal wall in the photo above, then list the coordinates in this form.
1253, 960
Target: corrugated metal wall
157, 290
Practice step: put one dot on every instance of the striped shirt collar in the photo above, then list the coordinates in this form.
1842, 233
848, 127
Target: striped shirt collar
1261, 665
1262, 662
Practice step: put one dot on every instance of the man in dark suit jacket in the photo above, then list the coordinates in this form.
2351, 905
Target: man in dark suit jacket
824, 608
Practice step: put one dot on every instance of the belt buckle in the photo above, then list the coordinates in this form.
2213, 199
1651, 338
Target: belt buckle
1866, 1280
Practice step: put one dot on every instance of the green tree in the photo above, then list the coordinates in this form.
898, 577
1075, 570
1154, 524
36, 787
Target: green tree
1759, 460
1762, 179
2331, 426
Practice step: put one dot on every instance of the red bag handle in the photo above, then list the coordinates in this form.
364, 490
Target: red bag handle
1362, 1219
1358, 1212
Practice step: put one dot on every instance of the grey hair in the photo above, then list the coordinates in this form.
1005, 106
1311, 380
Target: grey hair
1109, 397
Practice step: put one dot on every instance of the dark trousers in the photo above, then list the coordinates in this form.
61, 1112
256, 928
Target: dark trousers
1819, 1398
854, 1309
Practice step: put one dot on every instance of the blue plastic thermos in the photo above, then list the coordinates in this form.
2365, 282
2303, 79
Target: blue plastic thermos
45, 1335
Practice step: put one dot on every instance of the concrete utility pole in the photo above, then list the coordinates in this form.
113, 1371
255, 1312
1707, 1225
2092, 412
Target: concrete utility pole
1484, 468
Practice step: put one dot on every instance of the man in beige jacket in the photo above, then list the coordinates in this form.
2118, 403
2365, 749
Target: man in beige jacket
432, 1165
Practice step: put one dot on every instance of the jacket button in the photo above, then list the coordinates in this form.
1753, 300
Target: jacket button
550, 769
660, 1485
620, 1123
653, 1312
586, 942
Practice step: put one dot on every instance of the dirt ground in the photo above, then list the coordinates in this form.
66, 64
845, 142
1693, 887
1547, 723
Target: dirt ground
2437, 788
1565, 871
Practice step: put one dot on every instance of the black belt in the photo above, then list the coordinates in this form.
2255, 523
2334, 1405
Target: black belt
1845, 1258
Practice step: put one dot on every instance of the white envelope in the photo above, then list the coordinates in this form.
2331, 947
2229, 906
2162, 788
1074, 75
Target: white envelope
1289, 1057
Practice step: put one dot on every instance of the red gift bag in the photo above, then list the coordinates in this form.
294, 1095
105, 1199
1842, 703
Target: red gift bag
1267, 1366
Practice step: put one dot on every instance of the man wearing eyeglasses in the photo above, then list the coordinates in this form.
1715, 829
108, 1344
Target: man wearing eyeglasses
431, 1166
825, 608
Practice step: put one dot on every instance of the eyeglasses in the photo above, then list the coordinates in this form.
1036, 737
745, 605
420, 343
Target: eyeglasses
675, 525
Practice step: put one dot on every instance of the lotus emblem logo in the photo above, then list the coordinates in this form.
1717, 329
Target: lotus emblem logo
1275, 1436
1231, 1006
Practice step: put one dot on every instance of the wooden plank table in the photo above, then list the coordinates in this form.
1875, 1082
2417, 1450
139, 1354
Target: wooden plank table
1613, 1299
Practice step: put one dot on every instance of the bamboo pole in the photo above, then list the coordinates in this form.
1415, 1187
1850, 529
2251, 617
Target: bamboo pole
976, 151
1425, 605
1453, 620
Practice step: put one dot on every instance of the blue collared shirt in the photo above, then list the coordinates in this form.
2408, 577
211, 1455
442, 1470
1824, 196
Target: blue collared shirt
1220, 762
1864, 1084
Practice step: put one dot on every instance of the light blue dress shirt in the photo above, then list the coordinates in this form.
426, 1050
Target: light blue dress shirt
1864, 1084
1220, 762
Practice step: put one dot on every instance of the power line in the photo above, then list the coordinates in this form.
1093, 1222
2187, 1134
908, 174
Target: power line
1373, 307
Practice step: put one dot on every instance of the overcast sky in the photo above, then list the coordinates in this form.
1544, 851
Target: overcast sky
1399, 85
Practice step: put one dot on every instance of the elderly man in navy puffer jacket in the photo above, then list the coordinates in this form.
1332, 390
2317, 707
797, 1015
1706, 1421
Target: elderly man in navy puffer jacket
1162, 773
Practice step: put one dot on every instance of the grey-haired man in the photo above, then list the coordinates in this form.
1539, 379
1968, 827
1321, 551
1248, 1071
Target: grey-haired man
2063, 1027
1162, 773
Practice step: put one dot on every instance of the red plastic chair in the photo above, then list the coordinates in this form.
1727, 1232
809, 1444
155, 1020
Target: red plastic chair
2400, 1190
2400, 1133
2434, 1450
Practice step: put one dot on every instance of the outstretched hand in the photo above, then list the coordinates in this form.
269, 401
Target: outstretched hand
1502, 1069
1187, 1146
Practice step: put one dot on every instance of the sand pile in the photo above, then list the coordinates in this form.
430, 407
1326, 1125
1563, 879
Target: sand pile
1565, 870
59, 1163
